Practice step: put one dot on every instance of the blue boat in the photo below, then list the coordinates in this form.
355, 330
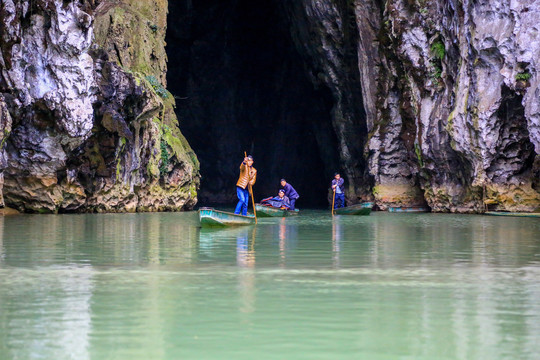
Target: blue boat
408, 209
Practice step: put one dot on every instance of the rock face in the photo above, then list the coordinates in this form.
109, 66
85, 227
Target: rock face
417, 102
88, 124
449, 90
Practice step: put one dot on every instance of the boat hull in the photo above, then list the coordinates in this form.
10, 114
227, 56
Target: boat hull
215, 218
504, 213
358, 209
266, 211
411, 209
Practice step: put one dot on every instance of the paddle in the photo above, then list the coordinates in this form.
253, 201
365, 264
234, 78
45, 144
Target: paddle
251, 192
333, 201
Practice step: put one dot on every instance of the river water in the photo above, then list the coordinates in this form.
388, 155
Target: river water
155, 286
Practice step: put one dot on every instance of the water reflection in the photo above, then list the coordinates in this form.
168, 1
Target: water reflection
443, 240
337, 234
157, 286
99, 240
245, 247
1, 239
43, 309
245, 258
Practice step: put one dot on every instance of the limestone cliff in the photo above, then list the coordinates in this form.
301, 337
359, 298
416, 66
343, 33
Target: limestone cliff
449, 91
88, 124
417, 102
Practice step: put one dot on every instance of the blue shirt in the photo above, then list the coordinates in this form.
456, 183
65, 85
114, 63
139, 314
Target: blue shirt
340, 188
290, 192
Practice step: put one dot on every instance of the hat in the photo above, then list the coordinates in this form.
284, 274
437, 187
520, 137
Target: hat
282, 180
281, 190
336, 173
250, 157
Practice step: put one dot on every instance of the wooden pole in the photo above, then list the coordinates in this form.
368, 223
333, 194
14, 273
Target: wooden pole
251, 192
253, 202
333, 201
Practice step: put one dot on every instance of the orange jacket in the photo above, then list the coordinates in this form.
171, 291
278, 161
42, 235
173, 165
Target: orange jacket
245, 177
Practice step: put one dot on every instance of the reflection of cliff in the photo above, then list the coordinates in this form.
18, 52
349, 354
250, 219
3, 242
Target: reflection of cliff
445, 240
41, 308
106, 239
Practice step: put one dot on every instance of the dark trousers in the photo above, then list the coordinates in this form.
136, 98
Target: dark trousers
340, 201
243, 199
292, 202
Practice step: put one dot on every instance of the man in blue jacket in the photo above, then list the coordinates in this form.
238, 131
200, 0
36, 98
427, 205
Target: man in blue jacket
289, 192
339, 188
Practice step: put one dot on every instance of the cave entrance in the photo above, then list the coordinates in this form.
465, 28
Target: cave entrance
241, 85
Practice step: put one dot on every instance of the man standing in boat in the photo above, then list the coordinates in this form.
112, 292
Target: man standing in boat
290, 193
339, 188
248, 175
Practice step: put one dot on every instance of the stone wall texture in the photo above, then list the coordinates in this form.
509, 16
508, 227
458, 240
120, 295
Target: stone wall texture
87, 122
449, 92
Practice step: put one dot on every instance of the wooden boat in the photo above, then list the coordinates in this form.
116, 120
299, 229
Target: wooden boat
270, 211
506, 213
408, 209
358, 209
213, 217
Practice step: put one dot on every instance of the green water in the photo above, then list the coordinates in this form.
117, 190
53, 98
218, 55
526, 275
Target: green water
155, 286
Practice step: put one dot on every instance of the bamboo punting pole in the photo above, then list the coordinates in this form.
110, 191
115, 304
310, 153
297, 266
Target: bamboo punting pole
333, 201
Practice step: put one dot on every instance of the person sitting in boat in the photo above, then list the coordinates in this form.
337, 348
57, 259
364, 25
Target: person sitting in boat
281, 201
339, 188
248, 175
289, 192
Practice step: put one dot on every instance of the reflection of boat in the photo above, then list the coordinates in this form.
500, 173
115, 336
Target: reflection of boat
505, 213
269, 211
213, 217
358, 209
210, 237
408, 209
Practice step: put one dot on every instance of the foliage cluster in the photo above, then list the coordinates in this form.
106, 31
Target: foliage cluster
525, 75
158, 88
164, 158
418, 152
438, 52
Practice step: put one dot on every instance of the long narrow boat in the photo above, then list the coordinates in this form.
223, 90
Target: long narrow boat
269, 211
358, 209
408, 209
213, 217
506, 213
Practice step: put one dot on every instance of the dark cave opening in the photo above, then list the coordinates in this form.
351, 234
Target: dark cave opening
241, 85
514, 149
